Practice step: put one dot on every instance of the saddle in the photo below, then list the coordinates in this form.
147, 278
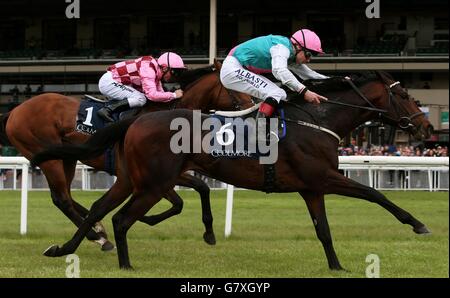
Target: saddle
234, 134
233, 151
88, 122
251, 112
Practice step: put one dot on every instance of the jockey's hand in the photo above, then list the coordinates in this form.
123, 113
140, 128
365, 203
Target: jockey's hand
313, 97
178, 93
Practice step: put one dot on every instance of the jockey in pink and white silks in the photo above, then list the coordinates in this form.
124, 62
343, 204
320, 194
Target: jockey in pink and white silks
131, 83
276, 54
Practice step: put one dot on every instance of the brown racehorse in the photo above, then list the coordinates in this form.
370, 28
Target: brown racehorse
307, 160
50, 119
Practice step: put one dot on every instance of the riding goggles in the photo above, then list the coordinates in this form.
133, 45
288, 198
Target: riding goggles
309, 53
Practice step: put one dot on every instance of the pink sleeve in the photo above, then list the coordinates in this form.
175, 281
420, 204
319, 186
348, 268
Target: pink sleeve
151, 86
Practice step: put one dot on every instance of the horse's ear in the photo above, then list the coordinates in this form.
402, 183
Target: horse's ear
379, 75
217, 64
384, 76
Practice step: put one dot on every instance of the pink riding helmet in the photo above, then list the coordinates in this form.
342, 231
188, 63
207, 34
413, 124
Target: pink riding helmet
307, 39
171, 60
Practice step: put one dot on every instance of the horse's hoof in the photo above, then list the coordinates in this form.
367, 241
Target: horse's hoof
51, 251
337, 267
209, 238
107, 246
341, 269
422, 230
127, 267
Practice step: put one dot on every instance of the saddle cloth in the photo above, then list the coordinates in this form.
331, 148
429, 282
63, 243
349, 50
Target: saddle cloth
236, 137
88, 123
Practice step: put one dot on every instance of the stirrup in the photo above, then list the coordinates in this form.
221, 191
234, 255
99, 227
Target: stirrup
271, 136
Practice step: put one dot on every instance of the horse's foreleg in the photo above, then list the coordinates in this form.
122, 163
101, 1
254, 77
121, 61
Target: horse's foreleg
316, 207
133, 210
109, 201
55, 175
336, 183
202, 188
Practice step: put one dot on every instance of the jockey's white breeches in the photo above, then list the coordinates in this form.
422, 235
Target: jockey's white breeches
118, 91
235, 77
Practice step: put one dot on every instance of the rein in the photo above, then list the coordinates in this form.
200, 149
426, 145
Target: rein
355, 106
403, 122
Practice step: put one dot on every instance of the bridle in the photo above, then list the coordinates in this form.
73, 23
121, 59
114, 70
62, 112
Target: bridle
403, 122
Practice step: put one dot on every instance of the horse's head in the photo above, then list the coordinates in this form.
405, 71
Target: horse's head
402, 109
207, 93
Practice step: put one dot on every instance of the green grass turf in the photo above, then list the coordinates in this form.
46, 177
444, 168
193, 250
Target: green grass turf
272, 236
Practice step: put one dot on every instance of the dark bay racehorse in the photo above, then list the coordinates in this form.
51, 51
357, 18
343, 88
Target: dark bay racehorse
307, 160
51, 118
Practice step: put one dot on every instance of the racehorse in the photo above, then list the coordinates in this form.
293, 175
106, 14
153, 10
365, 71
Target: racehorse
307, 160
50, 119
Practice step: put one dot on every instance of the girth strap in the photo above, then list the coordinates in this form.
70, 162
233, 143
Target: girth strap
269, 178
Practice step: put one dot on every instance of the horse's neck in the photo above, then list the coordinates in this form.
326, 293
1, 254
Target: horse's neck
199, 97
343, 120
340, 119
156, 106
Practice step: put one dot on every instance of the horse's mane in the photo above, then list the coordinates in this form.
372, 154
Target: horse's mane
186, 78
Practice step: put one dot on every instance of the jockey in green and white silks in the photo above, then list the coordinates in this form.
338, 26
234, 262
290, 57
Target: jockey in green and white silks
274, 54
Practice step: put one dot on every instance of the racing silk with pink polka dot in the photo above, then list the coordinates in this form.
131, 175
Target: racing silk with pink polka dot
144, 75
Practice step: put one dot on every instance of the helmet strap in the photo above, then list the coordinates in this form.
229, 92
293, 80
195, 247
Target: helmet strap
304, 40
168, 61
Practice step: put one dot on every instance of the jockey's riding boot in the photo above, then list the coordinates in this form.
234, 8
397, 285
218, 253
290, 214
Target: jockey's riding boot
114, 106
263, 120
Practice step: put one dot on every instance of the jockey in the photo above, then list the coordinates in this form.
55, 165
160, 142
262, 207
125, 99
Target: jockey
130, 83
272, 53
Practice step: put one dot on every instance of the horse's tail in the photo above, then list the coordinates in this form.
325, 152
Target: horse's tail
97, 144
3, 136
